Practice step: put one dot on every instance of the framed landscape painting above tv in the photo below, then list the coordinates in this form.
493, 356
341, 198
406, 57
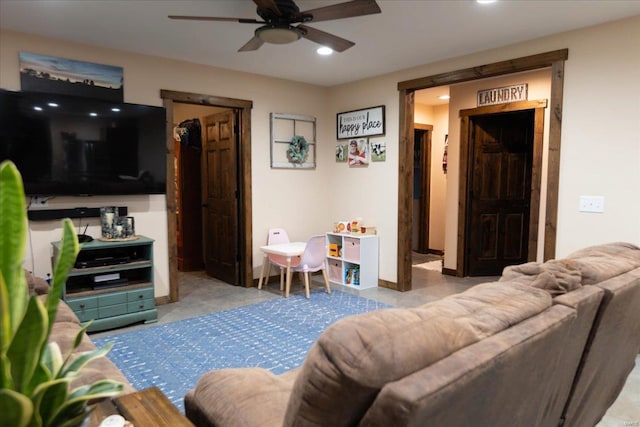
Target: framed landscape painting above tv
42, 73
65, 145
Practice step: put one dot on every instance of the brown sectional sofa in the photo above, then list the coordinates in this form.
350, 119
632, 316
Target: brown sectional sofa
64, 331
550, 344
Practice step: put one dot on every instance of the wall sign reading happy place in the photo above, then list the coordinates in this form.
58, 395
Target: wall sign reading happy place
360, 123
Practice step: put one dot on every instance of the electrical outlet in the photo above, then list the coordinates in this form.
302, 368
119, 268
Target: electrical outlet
591, 204
39, 202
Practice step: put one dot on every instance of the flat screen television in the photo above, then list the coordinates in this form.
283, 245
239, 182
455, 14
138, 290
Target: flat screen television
66, 145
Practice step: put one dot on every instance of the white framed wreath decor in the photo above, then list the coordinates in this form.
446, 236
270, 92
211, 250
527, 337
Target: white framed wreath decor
293, 141
298, 149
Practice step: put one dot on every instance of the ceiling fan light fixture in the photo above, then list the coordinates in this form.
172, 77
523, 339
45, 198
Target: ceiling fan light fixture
278, 34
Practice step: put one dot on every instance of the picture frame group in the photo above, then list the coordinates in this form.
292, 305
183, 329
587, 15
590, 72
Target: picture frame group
359, 152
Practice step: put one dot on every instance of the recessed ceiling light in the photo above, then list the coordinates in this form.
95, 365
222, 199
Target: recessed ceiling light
53, 104
443, 97
486, 1
115, 110
93, 114
37, 108
324, 50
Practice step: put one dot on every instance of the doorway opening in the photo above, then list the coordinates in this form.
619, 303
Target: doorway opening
421, 187
426, 253
555, 61
221, 137
188, 120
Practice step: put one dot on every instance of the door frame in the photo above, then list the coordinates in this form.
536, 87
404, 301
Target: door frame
245, 232
406, 92
466, 170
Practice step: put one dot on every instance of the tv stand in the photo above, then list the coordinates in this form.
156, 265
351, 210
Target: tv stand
125, 299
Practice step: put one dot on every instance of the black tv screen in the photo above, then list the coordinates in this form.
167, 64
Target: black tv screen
66, 145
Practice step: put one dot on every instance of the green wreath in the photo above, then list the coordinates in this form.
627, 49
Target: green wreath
298, 149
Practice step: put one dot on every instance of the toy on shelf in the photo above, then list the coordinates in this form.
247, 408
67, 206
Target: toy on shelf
356, 226
334, 250
341, 227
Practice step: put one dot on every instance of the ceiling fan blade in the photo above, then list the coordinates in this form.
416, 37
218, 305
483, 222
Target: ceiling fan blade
334, 42
253, 44
215, 18
344, 10
268, 4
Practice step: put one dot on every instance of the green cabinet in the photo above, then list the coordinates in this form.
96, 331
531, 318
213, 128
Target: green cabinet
112, 283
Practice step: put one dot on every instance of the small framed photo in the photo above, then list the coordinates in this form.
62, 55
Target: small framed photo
378, 151
358, 152
342, 151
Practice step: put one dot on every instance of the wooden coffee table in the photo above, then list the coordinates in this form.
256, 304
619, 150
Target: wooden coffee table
148, 407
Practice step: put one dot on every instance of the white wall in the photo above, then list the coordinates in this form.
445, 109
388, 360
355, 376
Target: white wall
294, 199
369, 192
601, 136
438, 213
600, 143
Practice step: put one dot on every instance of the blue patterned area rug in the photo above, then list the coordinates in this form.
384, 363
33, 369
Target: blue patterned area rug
275, 335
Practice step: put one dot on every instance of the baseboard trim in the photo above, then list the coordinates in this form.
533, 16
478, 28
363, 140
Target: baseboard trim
387, 284
449, 272
163, 300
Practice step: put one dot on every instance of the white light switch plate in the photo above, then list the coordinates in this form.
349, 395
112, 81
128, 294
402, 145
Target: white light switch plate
591, 204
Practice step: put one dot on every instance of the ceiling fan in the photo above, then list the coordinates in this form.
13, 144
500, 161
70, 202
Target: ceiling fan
280, 15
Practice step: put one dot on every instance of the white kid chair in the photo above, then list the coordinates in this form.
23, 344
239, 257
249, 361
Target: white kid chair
274, 237
313, 259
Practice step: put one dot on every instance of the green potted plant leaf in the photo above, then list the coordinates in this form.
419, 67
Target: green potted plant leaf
35, 377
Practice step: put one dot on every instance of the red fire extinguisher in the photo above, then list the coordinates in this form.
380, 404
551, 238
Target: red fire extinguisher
444, 155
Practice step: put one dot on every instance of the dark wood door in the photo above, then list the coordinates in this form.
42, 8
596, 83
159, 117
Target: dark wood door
220, 169
501, 149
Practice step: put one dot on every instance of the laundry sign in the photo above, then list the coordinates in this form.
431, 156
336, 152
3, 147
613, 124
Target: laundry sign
501, 95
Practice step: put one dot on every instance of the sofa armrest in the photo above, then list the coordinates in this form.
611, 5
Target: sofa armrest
240, 397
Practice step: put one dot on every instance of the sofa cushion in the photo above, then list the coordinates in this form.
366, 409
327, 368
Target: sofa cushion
63, 313
611, 352
556, 277
509, 379
64, 333
601, 262
240, 397
356, 356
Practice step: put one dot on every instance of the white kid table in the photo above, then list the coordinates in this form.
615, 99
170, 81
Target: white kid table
288, 250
